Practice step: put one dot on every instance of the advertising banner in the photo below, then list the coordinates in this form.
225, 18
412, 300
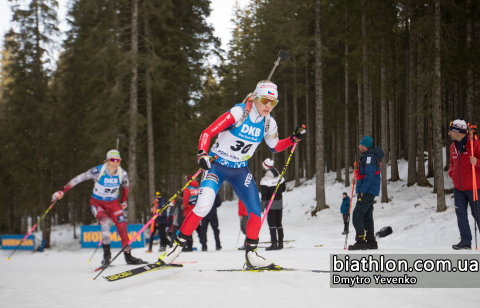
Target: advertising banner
12, 241
91, 236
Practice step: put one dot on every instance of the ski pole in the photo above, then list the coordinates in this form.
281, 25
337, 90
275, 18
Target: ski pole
31, 230
474, 178
350, 210
280, 179
99, 244
238, 238
155, 216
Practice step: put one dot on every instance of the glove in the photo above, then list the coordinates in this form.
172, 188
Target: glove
124, 205
58, 195
299, 134
203, 160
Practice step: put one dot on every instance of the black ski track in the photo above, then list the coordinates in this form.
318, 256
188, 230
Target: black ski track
288, 241
279, 269
140, 270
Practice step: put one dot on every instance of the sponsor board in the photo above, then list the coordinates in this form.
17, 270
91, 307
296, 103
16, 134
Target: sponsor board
91, 236
11, 241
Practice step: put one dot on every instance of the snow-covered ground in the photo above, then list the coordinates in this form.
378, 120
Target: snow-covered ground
62, 277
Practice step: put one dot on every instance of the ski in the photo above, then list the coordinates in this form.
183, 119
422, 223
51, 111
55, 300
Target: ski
289, 247
276, 269
99, 268
140, 270
289, 241
318, 245
184, 262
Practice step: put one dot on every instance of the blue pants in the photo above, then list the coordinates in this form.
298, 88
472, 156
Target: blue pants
462, 198
241, 181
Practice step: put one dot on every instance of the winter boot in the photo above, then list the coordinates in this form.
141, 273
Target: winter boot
174, 252
360, 243
252, 259
107, 255
344, 232
274, 245
219, 247
131, 259
371, 240
280, 238
204, 248
162, 248
461, 245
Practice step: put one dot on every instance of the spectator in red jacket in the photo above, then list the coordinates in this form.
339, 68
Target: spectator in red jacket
190, 195
460, 170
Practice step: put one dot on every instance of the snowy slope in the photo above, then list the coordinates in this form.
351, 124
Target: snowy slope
61, 276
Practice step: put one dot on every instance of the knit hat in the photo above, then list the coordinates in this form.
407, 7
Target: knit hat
113, 153
267, 163
459, 126
367, 141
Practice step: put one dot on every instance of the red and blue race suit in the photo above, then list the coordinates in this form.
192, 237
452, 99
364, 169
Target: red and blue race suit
234, 147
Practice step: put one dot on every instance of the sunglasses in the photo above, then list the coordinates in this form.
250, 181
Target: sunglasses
115, 160
265, 100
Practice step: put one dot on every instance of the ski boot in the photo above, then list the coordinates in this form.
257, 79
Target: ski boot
461, 245
371, 240
172, 253
360, 243
107, 255
273, 246
252, 259
148, 251
280, 238
131, 259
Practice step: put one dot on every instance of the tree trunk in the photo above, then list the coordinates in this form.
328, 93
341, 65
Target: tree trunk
469, 111
150, 142
383, 122
367, 129
338, 157
295, 121
308, 165
347, 127
412, 135
437, 117
450, 115
360, 111
392, 124
430, 147
319, 130
285, 111
132, 129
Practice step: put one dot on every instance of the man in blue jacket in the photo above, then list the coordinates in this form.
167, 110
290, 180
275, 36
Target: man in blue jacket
345, 210
368, 187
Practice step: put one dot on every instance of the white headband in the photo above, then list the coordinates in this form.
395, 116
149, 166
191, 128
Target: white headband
266, 89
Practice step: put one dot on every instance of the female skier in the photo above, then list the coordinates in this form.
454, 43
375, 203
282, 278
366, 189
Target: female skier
240, 131
107, 178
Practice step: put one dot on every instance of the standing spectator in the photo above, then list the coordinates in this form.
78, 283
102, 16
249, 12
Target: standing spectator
267, 187
211, 218
460, 170
190, 196
345, 210
161, 223
368, 186
243, 214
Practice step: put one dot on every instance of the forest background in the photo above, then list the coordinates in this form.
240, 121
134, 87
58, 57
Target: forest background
398, 71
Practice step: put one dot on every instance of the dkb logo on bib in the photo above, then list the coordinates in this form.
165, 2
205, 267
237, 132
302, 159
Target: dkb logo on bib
252, 131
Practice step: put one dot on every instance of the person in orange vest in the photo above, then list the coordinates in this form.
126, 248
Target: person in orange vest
460, 171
